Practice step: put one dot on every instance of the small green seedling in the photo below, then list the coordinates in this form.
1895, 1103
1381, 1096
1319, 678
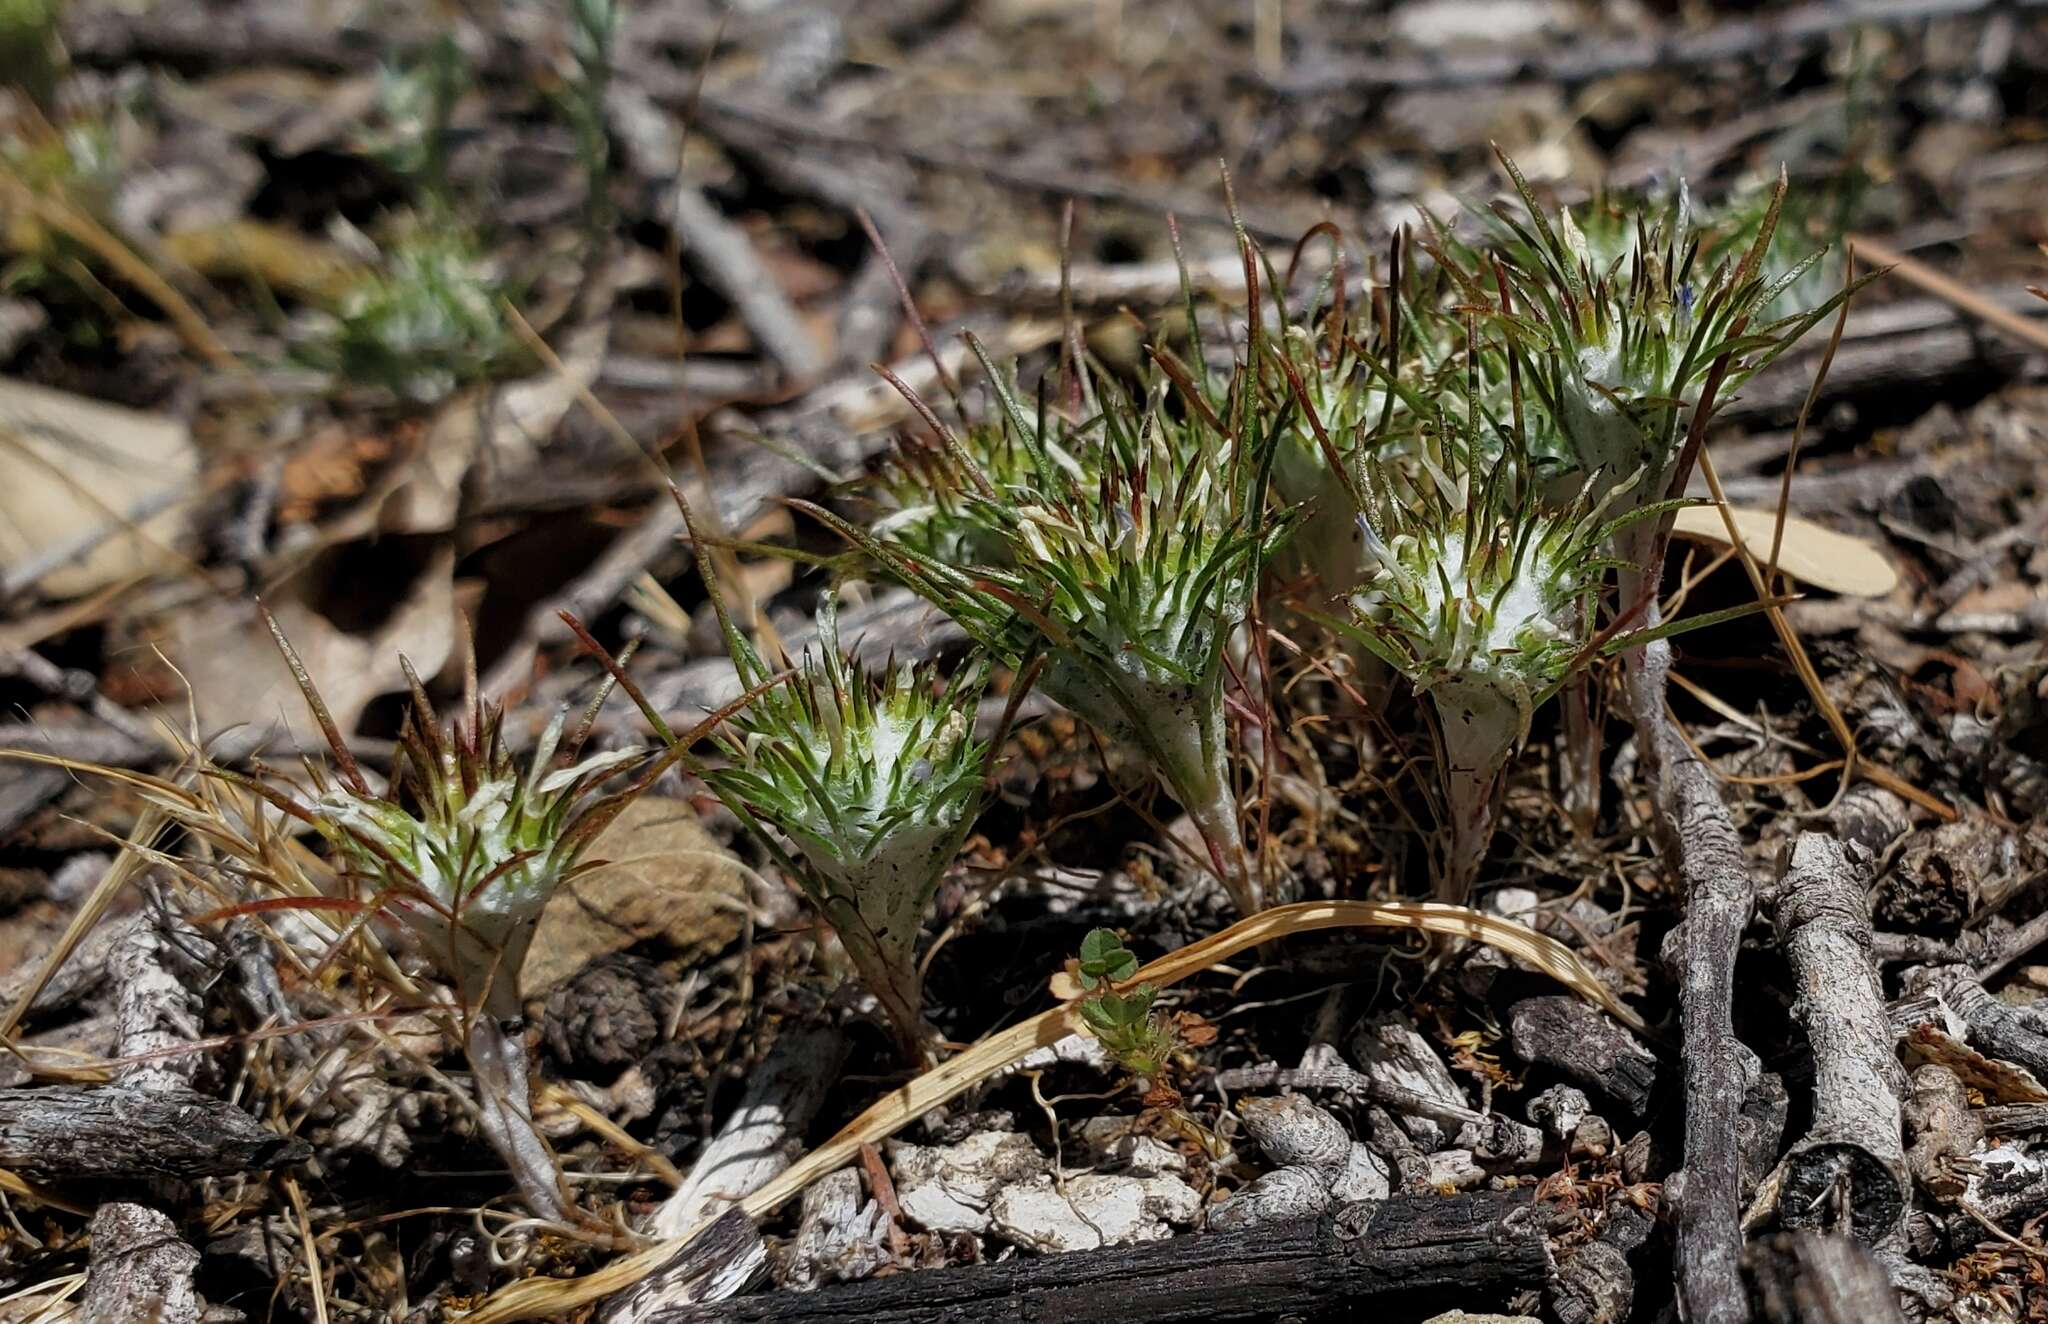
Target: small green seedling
423, 325
1123, 1022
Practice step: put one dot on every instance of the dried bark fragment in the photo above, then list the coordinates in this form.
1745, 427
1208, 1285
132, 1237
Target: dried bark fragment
720, 1262
841, 1235
1597, 1285
949, 1188
1565, 1034
120, 1132
1393, 1054
141, 1269
1853, 1151
1870, 817
1089, 1210
1813, 1278
1998, 1028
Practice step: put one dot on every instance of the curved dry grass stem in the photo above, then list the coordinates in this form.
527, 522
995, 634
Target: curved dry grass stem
1795, 650
540, 1298
63, 215
133, 858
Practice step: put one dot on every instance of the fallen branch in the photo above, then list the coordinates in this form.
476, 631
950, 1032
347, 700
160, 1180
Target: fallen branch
1854, 1151
1407, 1251
127, 1132
1719, 895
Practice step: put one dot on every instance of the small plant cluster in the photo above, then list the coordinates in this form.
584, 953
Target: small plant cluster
423, 324
1113, 546
1122, 1021
1539, 399
463, 845
1452, 475
425, 321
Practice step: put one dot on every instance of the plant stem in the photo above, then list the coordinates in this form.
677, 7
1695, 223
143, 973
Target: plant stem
892, 978
497, 1062
1196, 760
1473, 797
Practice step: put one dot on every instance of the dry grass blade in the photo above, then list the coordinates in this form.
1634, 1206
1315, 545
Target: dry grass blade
22, 1187
134, 855
554, 1298
64, 216
2023, 329
551, 1095
311, 1244
1795, 649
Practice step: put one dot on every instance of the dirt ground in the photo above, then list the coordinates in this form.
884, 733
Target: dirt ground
399, 319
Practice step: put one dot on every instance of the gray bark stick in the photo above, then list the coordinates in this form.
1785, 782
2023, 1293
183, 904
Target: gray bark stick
1855, 1148
123, 1133
1565, 1033
141, 1270
1997, 1028
755, 1145
1719, 893
1812, 1278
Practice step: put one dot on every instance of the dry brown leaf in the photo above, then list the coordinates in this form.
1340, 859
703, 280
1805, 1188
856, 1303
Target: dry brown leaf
73, 470
1810, 554
668, 881
238, 680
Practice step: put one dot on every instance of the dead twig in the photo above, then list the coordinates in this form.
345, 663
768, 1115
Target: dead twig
1912, 270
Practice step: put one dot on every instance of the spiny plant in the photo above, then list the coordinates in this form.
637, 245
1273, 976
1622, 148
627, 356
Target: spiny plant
1483, 598
921, 494
861, 785
463, 847
1623, 352
424, 324
1120, 560
1806, 223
